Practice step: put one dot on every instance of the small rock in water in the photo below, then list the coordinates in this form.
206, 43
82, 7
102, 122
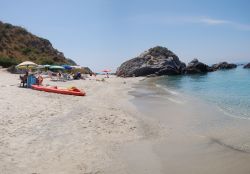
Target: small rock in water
223, 65
195, 67
247, 65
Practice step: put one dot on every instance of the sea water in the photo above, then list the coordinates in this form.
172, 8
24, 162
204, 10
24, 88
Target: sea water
228, 90
193, 123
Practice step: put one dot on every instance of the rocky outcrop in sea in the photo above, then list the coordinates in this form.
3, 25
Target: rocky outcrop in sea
247, 65
223, 65
155, 61
195, 67
160, 61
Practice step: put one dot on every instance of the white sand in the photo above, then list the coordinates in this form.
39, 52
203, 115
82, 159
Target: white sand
55, 134
103, 132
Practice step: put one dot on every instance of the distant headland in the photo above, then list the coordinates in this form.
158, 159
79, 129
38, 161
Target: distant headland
17, 45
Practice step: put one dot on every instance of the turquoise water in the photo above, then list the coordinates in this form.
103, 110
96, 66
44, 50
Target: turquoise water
229, 90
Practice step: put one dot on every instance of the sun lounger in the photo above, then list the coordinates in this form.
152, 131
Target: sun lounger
53, 77
66, 76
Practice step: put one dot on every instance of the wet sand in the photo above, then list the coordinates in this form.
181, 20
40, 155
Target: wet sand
122, 126
195, 137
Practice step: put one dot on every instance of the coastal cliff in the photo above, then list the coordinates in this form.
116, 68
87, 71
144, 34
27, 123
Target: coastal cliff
17, 45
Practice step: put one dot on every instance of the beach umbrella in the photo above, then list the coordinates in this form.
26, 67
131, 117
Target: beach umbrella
106, 70
76, 67
67, 67
40, 67
56, 67
27, 64
46, 66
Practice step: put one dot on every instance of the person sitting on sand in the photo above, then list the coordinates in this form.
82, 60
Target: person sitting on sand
39, 80
59, 75
24, 78
77, 76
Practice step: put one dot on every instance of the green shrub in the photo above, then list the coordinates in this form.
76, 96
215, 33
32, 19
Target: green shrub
26, 51
8, 26
7, 62
46, 62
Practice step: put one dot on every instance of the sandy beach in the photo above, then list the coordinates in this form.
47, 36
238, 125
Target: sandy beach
125, 87
122, 126
50, 133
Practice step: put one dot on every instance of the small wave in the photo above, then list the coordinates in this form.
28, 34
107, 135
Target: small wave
175, 101
167, 90
232, 115
228, 146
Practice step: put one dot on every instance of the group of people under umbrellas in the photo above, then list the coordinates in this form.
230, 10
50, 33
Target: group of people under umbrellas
28, 65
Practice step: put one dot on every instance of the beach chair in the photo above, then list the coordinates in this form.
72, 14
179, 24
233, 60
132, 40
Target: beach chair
61, 78
53, 77
66, 76
31, 80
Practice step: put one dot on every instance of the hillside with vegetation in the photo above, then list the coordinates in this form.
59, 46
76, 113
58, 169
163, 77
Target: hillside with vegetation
17, 45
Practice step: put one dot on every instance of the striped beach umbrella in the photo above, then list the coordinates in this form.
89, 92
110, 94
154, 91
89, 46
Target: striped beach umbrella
27, 65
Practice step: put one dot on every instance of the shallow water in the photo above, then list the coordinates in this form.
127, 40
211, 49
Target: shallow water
229, 90
201, 136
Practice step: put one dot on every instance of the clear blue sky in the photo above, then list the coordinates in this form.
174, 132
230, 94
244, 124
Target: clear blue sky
104, 33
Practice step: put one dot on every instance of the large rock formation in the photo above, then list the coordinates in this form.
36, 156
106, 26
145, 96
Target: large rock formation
158, 60
195, 67
17, 45
223, 65
247, 65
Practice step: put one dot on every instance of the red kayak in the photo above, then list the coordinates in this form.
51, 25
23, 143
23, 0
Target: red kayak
54, 89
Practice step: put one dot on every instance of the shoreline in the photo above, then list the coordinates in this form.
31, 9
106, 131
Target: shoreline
199, 138
123, 125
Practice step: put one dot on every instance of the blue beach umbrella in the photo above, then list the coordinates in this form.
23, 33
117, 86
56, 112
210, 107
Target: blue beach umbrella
67, 67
